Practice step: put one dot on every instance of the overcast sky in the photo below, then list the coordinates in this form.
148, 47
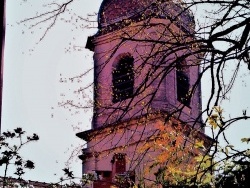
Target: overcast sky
32, 87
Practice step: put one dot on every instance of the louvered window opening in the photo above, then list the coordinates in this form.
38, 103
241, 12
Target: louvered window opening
182, 85
123, 79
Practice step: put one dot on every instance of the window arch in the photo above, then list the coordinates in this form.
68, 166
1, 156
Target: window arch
183, 85
123, 78
119, 163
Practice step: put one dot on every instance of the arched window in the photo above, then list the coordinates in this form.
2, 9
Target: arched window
123, 79
119, 163
183, 85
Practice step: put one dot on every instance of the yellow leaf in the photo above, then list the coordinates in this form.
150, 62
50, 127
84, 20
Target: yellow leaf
248, 152
208, 178
245, 140
214, 116
226, 150
199, 144
199, 158
218, 109
212, 122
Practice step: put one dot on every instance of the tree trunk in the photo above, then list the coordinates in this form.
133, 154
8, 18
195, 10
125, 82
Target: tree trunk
2, 25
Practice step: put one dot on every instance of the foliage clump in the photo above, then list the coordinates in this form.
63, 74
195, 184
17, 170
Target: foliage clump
11, 143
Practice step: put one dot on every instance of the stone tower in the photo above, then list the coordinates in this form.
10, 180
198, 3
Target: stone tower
145, 73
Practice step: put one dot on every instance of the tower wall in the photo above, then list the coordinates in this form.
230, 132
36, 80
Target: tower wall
143, 63
151, 50
138, 140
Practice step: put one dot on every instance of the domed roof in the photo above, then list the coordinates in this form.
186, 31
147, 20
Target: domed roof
112, 10
116, 11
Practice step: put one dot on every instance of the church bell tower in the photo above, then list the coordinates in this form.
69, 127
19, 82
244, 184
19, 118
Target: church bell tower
145, 72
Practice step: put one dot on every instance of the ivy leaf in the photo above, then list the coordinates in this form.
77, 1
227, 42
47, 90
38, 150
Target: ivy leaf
19, 171
29, 164
4, 160
9, 134
2, 139
19, 130
18, 162
68, 172
7, 153
35, 137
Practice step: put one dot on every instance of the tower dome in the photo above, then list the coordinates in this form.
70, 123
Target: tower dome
115, 14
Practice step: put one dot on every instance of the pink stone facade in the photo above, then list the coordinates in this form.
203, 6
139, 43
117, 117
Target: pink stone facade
165, 99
